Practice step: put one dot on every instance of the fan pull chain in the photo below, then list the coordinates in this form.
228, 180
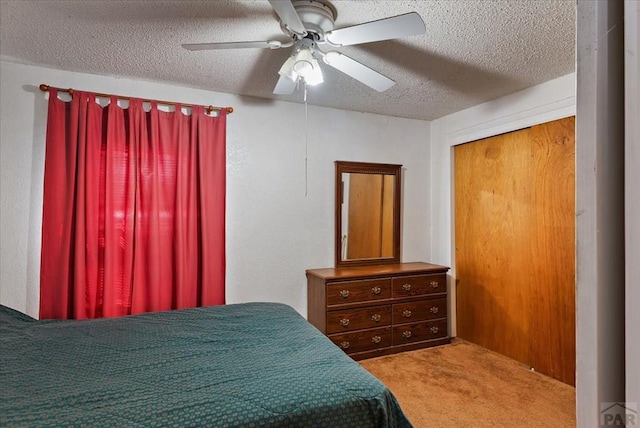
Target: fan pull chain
306, 142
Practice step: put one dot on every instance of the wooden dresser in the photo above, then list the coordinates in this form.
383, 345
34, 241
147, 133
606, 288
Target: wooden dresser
380, 309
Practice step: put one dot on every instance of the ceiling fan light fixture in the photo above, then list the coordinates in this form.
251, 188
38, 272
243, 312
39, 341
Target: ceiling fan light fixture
287, 69
304, 65
315, 76
304, 62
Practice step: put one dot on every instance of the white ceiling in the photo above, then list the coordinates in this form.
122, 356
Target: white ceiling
473, 51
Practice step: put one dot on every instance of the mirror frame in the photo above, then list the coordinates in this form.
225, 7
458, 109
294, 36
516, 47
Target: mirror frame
367, 168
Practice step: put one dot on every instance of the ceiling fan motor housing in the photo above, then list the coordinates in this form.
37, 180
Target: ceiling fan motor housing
317, 16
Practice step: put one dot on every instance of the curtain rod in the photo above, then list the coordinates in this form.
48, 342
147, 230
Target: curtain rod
45, 88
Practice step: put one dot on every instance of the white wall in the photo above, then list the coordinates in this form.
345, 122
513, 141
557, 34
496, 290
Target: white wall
274, 231
549, 101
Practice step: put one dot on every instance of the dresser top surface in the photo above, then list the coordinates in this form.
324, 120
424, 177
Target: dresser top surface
377, 270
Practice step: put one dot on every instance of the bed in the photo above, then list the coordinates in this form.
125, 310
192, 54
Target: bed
243, 365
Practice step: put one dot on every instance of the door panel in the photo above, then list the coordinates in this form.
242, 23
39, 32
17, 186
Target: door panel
553, 316
514, 240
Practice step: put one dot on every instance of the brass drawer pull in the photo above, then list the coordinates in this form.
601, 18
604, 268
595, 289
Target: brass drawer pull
344, 322
376, 317
376, 339
344, 294
406, 334
433, 309
434, 330
406, 313
344, 345
434, 284
376, 290
406, 287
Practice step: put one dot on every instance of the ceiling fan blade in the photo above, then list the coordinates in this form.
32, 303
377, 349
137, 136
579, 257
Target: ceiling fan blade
271, 44
409, 24
358, 71
288, 15
285, 86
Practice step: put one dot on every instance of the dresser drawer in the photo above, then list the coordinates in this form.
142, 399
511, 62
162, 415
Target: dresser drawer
363, 340
339, 293
419, 311
427, 330
407, 286
358, 319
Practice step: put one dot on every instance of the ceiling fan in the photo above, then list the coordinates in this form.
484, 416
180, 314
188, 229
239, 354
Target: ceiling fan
310, 23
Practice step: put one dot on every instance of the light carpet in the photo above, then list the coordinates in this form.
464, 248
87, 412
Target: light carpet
465, 385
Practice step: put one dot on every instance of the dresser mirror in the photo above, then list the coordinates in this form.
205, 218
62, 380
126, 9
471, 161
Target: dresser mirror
367, 213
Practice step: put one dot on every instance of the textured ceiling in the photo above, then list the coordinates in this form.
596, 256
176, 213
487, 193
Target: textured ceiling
473, 51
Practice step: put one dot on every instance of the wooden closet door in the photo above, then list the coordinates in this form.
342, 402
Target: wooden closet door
515, 245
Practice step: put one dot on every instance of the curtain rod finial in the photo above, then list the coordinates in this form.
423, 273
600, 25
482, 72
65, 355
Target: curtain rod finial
229, 110
43, 87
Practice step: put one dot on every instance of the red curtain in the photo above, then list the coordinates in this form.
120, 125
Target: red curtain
134, 209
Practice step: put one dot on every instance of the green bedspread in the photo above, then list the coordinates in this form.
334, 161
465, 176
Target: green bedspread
246, 365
